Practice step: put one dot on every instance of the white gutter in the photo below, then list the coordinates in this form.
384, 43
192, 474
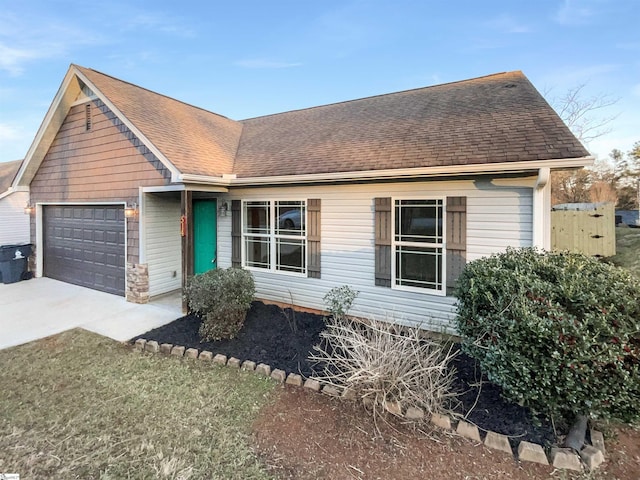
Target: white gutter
406, 173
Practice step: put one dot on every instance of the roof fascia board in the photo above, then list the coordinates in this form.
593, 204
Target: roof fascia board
504, 167
175, 173
11, 190
52, 121
186, 187
446, 171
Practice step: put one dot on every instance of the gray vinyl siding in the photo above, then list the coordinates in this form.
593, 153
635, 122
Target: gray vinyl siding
496, 219
14, 223
163, 247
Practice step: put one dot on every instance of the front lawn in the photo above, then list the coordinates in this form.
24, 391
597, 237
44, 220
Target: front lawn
78, 405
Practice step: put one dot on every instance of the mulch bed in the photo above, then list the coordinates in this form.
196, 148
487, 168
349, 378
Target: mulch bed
284, 338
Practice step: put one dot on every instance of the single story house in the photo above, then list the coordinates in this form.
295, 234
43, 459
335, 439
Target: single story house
14, 224
135, 191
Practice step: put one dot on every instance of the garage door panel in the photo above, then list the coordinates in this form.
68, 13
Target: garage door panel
85, 245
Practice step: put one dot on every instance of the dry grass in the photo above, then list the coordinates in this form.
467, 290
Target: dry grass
78, 405
627, 249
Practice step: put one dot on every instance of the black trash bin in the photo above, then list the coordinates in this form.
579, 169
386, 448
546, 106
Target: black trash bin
14, 262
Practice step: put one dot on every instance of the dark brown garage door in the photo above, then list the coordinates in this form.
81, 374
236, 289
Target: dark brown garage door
85, 245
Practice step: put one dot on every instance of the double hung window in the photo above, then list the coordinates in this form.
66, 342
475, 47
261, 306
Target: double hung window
418, 244
275, 235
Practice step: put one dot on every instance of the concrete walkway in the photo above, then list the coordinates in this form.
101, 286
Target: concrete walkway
40, 307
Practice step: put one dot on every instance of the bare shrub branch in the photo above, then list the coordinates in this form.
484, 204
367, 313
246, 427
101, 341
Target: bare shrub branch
383, 362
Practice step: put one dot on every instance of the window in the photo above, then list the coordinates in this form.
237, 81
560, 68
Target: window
275, 235
418, 244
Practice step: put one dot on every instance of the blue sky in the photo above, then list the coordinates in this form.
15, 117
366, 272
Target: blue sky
249, 58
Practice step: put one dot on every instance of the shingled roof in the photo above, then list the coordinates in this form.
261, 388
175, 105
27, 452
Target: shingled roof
493, 119
8, 171
498, 118
195, 140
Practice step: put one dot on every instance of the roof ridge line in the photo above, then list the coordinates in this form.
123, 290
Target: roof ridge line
383, 95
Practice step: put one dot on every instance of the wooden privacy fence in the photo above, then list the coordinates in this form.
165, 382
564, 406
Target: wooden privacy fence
587, 228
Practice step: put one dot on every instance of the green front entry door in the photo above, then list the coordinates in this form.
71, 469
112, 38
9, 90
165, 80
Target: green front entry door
204, 235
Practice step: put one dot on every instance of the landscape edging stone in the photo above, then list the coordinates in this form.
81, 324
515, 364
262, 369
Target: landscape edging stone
444, 422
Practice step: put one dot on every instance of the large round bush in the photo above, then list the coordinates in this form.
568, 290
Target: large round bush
222, 298
559, 332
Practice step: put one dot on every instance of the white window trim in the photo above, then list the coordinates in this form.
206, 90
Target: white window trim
443, 245
272, 236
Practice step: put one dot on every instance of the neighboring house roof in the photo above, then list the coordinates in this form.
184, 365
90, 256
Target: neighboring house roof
477, 125
8, 171
196, 141
498, 118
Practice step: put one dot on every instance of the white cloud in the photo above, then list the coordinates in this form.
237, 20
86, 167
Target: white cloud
265, 63
26, 40
574, 12
12, 60
9, 133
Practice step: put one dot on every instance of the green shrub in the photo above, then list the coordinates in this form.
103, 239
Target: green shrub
222, 298
559, 332
339, 300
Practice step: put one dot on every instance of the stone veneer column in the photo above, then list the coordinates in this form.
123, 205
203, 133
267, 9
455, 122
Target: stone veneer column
137, 283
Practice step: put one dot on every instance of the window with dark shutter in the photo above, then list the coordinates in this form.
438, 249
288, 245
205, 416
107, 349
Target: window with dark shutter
383, 234
456, 239
236, 234
410, 251
273, 236
313, 238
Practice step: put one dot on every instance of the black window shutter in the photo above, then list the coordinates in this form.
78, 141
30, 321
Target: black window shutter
236, 234
313, 237
456, 239
383, 233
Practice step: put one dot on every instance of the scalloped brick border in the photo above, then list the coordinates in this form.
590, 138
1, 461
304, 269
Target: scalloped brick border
590, 457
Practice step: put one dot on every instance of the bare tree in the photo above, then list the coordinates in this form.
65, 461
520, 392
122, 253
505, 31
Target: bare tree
583, 114
602, 191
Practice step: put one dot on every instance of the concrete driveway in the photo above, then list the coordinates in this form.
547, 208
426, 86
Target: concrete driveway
40, 307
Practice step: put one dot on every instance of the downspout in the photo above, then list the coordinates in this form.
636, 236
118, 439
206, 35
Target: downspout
542, 210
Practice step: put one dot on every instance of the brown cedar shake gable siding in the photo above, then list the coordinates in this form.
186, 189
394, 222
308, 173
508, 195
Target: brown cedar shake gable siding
498, 118
195, 140
101, 165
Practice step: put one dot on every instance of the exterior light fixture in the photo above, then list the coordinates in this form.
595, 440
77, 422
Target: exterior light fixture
29, 209
223, 209
131, 211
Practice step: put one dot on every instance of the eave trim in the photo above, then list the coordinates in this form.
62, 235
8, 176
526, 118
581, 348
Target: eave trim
399, 174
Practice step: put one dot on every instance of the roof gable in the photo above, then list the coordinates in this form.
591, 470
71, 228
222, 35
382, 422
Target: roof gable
196, 141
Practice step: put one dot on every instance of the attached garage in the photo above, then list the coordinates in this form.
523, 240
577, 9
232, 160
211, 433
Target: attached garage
85, 245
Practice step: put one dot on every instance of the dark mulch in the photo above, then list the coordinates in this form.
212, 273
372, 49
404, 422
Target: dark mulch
284, 338
268, 336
